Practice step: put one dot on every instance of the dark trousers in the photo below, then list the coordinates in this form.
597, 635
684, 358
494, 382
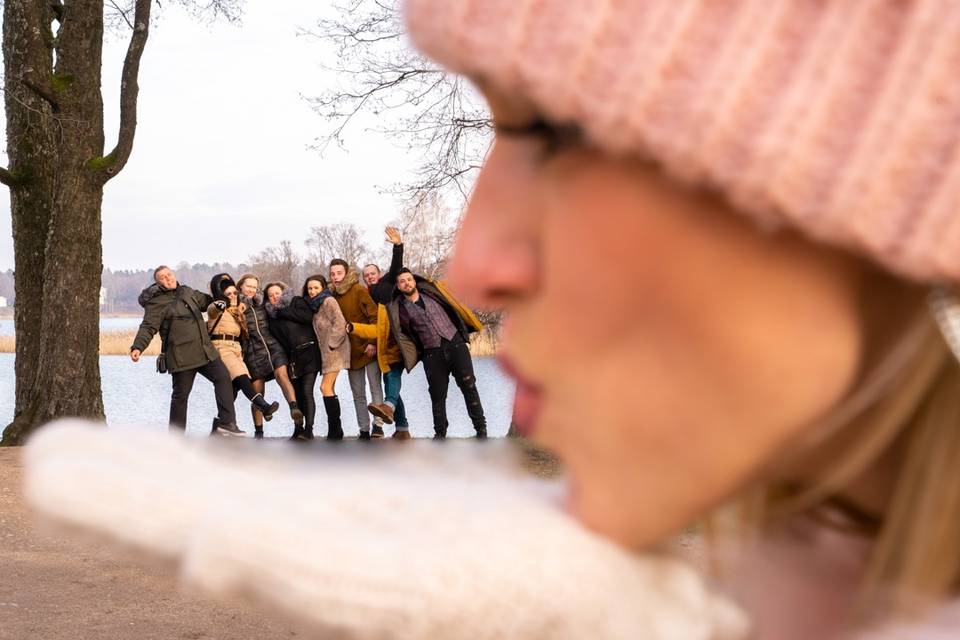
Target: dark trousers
215, 372
452, 358
303, 386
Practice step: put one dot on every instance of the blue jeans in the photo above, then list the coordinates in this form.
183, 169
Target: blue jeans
391, 394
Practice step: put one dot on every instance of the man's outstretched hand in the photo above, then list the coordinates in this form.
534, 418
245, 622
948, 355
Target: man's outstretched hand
393, 235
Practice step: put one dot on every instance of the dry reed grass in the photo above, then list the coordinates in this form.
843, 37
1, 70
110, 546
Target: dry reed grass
484, 343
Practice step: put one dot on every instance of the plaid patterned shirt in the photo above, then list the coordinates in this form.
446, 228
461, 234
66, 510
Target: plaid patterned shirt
430, 323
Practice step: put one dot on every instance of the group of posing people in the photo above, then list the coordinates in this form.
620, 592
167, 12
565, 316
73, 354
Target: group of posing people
251, 334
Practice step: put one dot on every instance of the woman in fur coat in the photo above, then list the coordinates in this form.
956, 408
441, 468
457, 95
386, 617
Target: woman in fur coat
331, 330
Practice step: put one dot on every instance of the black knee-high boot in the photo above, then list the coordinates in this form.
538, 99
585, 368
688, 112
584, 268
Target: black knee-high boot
331, 405
256, 399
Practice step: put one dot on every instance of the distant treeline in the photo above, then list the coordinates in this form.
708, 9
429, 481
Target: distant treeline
428, 231
123, 286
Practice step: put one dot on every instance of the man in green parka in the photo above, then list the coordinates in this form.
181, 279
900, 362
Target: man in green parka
176, 311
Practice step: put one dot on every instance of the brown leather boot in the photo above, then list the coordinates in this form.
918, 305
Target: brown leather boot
402, 435
382, 411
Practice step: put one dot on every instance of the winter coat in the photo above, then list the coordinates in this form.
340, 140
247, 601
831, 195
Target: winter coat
385, 292
261, 351
230, 322
388, 351
331, 330
464, 320
382, 292
291, 323
357, 306
186, 343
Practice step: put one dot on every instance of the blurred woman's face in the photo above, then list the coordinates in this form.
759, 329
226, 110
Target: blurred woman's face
249, 287
314, 288
274, 294
231, 294
664, 347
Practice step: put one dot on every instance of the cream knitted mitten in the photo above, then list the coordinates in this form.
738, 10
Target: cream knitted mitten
411, 543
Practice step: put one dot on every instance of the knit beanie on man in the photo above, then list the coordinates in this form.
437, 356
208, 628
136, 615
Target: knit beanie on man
839, 118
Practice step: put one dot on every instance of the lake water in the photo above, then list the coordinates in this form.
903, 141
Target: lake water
135, 394
106, 324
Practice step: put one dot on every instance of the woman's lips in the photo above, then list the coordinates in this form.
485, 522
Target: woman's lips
526, 401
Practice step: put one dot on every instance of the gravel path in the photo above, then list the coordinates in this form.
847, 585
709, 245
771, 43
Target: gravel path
59, 587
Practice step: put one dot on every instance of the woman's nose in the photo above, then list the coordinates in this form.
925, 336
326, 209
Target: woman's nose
495, 261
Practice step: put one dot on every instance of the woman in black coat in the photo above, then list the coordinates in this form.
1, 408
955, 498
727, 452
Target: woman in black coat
291, 323
265, 358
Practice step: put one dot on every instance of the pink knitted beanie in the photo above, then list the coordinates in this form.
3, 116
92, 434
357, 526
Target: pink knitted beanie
838, 117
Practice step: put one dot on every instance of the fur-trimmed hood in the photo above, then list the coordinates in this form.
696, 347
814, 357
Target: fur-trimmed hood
255, 301
285, 299
349, 280
148, 294
220, 283
152, 292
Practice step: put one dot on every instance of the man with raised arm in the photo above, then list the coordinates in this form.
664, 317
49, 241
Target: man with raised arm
433, 326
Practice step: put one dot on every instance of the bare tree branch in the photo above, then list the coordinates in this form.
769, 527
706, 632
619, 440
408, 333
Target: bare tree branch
122, 12
57, 6
13, 178
275, 264
413, 102
341, 240
114, 161
44, 93
117, 13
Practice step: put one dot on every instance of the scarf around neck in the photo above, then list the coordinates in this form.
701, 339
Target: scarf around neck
315, 302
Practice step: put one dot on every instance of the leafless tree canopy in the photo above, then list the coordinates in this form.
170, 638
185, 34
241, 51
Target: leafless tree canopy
274, 264
118, 14
341, 240
428, 229
433, 114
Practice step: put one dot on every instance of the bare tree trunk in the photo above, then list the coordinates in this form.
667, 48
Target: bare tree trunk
31, 147
68, 373
55, 142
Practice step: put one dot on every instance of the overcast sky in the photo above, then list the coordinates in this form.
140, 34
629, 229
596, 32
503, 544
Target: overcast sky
221, 166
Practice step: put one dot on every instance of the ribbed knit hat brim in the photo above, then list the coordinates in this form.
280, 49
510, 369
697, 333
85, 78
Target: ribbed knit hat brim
840, 118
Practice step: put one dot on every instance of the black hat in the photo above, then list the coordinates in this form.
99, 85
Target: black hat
220, 283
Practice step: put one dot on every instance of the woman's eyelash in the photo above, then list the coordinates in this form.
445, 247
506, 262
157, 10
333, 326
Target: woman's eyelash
555, 137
